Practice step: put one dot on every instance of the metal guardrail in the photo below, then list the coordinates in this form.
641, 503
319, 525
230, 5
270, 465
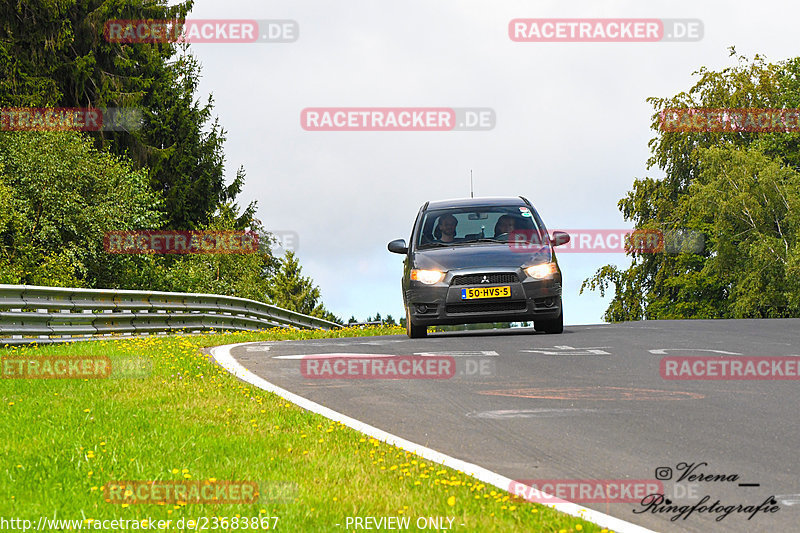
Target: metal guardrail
43, 315
373, 323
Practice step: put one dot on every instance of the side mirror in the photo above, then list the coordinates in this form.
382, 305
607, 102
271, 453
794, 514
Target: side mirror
398, 246
559, 238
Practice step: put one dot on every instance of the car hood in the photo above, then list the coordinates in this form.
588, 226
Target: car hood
479, 255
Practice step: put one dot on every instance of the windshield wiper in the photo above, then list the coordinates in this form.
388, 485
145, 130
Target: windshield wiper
436, 245
459, 243
487, 239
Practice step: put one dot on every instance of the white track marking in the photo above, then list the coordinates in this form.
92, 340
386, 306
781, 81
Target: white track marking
541, 413
585, 348
788, 499
223, 356
260, 348
569, 350
342, 342
663, 351
487, 353
332, 356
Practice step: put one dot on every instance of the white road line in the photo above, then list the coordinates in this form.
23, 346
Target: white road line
565, 351
332, 356
663, 351
788, 499
260, 348
223, 356
505, 414
488, 353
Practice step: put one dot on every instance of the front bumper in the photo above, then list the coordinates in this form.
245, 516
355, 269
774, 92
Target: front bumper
441, 303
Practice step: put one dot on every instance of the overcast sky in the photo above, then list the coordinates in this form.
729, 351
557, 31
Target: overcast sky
571, 132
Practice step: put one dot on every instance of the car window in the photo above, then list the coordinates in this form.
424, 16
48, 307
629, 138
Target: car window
472, 224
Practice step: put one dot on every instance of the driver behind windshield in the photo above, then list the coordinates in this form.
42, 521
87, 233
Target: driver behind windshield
446, 228
505, 225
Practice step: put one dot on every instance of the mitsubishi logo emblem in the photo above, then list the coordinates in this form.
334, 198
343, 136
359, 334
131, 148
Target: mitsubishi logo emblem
485, 280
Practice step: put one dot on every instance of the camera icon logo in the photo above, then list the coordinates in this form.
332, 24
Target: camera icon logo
663, 473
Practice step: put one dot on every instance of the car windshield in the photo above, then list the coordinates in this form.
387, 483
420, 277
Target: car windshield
469, 225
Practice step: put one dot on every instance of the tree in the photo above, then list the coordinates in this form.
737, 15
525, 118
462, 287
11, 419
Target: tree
59, 196
59, 192
245, 275
185, 150
738, 188
289, 289
748, 204
56, 54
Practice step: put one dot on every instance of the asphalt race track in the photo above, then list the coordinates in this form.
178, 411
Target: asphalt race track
589, 404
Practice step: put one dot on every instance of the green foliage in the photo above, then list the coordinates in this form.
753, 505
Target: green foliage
55, 54
627, 303
60, 192
291, 290
739, 189
246, 275
747, 203
60, 196
183, 148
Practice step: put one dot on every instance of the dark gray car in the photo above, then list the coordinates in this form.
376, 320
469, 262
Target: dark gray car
481, 260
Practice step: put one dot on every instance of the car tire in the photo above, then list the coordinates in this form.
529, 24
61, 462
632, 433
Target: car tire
553, 325
413, 330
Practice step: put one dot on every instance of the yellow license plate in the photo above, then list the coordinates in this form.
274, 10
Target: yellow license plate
485, 292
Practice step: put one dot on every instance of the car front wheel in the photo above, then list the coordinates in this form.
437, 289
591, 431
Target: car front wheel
414, 331
553, 325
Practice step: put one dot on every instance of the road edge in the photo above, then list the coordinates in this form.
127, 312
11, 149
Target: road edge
223, 356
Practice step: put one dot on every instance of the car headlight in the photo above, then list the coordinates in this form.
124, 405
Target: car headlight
428, 277
543, 271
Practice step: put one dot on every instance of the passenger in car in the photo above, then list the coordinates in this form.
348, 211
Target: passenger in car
446, 228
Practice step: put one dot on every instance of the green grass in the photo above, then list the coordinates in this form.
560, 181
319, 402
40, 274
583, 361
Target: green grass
64, 439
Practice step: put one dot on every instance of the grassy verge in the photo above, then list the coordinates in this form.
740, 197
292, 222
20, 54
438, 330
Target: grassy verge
65, 439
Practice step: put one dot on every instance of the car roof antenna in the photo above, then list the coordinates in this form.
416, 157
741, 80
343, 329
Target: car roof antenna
470, 184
